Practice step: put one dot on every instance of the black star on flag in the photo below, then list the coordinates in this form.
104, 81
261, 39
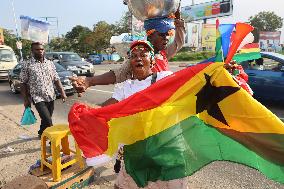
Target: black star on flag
209, 97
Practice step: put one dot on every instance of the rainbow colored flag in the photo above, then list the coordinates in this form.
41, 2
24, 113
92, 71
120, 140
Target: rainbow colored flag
182, 123
250, 51
228, 39
218, 48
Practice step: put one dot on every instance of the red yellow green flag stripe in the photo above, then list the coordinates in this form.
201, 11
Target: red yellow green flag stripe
185, 148
250, 51
181, 123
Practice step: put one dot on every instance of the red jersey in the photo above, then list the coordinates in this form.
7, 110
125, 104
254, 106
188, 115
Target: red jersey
162, 63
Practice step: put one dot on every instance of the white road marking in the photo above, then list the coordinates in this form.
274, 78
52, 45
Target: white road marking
102, 91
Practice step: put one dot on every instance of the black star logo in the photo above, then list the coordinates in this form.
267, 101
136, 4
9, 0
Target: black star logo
209, 96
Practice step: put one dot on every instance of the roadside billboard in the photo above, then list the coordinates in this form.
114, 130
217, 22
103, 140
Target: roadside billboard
209, 36
270, 41
1, 36
192, 35
207, 10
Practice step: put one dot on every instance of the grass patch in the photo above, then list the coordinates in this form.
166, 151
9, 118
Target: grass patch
192, 56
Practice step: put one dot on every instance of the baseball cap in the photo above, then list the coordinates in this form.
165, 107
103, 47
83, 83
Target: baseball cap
141, 42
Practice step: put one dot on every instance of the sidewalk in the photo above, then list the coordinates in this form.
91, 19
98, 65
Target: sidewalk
20, 148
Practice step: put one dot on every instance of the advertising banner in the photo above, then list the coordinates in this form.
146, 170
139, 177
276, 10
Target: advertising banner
209, 36
34, 30
1, 36
192, 35
270, 41
207, 10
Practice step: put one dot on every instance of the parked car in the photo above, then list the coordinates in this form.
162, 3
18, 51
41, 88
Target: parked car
95, 59
266, 76
72, 62
14, 79
7, 61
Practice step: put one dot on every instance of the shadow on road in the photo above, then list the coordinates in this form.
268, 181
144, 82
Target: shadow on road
18, 151
4, 155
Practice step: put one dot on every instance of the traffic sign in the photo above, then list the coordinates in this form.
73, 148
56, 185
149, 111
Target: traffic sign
19, 45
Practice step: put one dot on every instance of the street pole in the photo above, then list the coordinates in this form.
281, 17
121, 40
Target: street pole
16, 25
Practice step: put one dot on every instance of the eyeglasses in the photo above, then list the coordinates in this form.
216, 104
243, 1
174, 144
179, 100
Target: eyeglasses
141, 55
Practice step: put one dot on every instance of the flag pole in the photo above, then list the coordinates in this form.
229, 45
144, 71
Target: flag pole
16, 26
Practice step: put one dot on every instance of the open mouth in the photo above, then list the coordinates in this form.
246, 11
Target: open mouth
139, 64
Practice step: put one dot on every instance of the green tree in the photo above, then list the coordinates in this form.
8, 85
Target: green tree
266, 21
11, 39
83, 41
123, 25
99, 39
59, 44
75, 39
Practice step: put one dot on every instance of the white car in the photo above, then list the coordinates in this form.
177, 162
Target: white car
8, 61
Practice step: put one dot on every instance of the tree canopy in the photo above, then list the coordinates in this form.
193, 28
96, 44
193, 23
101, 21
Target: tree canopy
266, 21
10, 39
80, 39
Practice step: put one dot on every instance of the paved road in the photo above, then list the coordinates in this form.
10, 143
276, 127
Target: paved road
216, 175
98, 94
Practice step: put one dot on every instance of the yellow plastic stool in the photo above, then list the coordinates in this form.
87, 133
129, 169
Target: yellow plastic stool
58, 134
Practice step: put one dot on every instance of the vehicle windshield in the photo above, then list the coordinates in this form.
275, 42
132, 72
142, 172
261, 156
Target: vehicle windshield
59, 68
70, 57
7, 55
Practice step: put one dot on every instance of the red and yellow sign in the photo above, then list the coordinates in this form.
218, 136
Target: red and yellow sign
1, 36
209, 36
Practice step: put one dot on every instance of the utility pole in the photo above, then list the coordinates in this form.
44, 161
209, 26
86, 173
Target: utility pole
130, 18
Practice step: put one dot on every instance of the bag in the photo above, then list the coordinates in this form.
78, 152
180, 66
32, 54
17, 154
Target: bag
28, 117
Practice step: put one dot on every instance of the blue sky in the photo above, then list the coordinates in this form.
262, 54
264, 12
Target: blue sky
88, 12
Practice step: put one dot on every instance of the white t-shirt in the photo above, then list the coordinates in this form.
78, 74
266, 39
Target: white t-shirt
129, 87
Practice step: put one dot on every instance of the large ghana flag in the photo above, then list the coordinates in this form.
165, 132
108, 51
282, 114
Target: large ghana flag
182, 123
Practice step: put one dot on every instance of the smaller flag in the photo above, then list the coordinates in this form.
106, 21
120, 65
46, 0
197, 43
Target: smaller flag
226, 32
242, 30
218, 48
34, 30
248, 52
